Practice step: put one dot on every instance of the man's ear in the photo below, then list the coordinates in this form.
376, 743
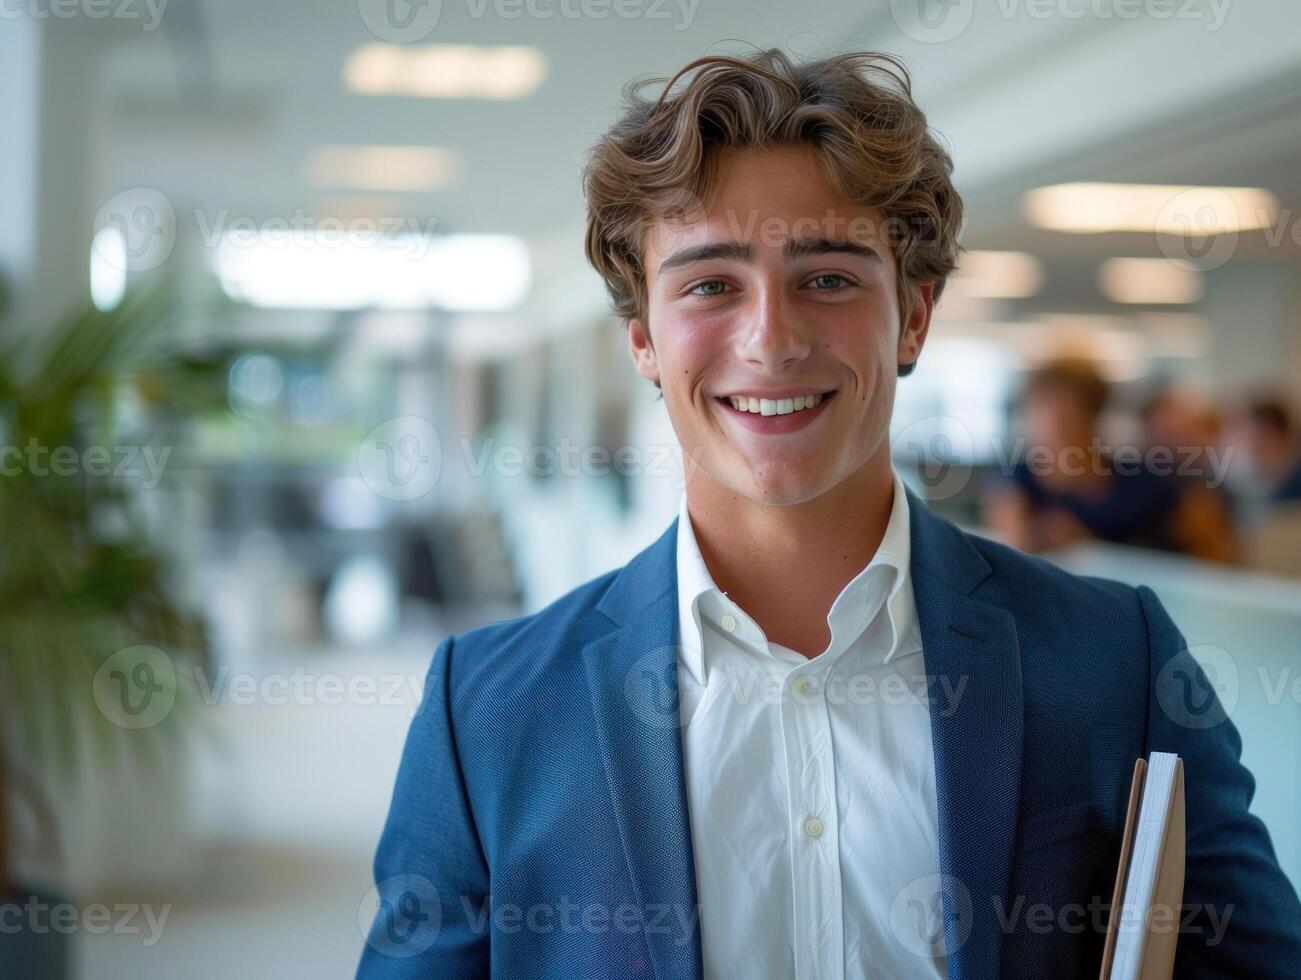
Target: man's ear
643, 351
912, 334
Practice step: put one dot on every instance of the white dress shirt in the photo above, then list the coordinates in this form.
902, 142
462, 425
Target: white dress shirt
811, 781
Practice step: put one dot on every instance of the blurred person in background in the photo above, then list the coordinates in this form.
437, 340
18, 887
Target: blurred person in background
1267, 474
1069, 486
1190, 431
1266, 436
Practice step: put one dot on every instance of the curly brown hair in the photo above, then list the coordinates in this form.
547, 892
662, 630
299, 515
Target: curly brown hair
855, 111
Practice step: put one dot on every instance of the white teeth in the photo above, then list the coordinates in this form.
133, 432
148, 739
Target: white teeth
773, 406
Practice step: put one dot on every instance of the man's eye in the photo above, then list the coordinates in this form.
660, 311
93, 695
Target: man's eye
714, 287
830, 281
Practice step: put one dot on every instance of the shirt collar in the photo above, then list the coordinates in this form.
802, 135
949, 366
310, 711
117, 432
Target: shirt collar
694, 581
894, 553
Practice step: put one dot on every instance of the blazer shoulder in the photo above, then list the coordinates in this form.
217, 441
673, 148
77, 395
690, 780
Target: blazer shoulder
1075, 632
533, 640
1023, 580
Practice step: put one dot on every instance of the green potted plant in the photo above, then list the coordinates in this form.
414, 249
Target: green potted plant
82, 580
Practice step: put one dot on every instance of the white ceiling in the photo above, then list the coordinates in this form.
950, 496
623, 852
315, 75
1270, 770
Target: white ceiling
220, 107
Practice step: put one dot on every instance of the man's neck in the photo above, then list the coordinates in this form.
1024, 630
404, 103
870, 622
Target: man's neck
785, 566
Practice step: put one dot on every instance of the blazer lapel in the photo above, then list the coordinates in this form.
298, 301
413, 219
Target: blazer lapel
632, 673
976, 707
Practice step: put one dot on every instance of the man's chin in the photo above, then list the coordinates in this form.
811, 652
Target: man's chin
781, 486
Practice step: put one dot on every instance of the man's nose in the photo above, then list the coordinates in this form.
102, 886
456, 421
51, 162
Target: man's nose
774, 336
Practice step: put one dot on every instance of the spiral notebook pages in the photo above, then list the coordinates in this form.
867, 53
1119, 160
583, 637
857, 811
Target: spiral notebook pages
1144, 923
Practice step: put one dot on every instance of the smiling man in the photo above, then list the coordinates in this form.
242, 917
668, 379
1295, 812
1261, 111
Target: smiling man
814, 730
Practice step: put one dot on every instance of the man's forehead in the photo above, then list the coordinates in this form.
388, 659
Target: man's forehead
785, 229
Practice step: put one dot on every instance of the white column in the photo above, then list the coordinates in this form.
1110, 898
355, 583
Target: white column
65, 207
20, 65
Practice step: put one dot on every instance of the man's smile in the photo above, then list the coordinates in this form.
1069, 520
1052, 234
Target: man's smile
776, 411
775, 402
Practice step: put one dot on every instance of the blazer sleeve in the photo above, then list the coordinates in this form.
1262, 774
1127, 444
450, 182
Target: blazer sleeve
431, 877
1240, 913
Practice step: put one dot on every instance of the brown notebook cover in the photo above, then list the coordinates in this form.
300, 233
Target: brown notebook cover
1160, 919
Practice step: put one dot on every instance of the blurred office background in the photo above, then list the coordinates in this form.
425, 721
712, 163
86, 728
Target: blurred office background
303, 369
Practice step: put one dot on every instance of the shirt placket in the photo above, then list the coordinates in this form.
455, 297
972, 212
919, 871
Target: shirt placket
814, 826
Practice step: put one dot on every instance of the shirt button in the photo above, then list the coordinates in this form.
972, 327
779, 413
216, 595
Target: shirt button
729, 624
803, 685
813, 827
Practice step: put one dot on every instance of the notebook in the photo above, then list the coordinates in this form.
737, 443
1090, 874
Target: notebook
1144, 923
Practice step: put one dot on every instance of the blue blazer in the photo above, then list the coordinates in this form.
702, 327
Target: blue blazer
539, 823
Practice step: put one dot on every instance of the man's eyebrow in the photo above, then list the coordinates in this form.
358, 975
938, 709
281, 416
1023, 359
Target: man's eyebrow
703, 253
798, 248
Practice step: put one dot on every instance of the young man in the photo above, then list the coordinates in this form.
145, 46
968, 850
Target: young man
814, 730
